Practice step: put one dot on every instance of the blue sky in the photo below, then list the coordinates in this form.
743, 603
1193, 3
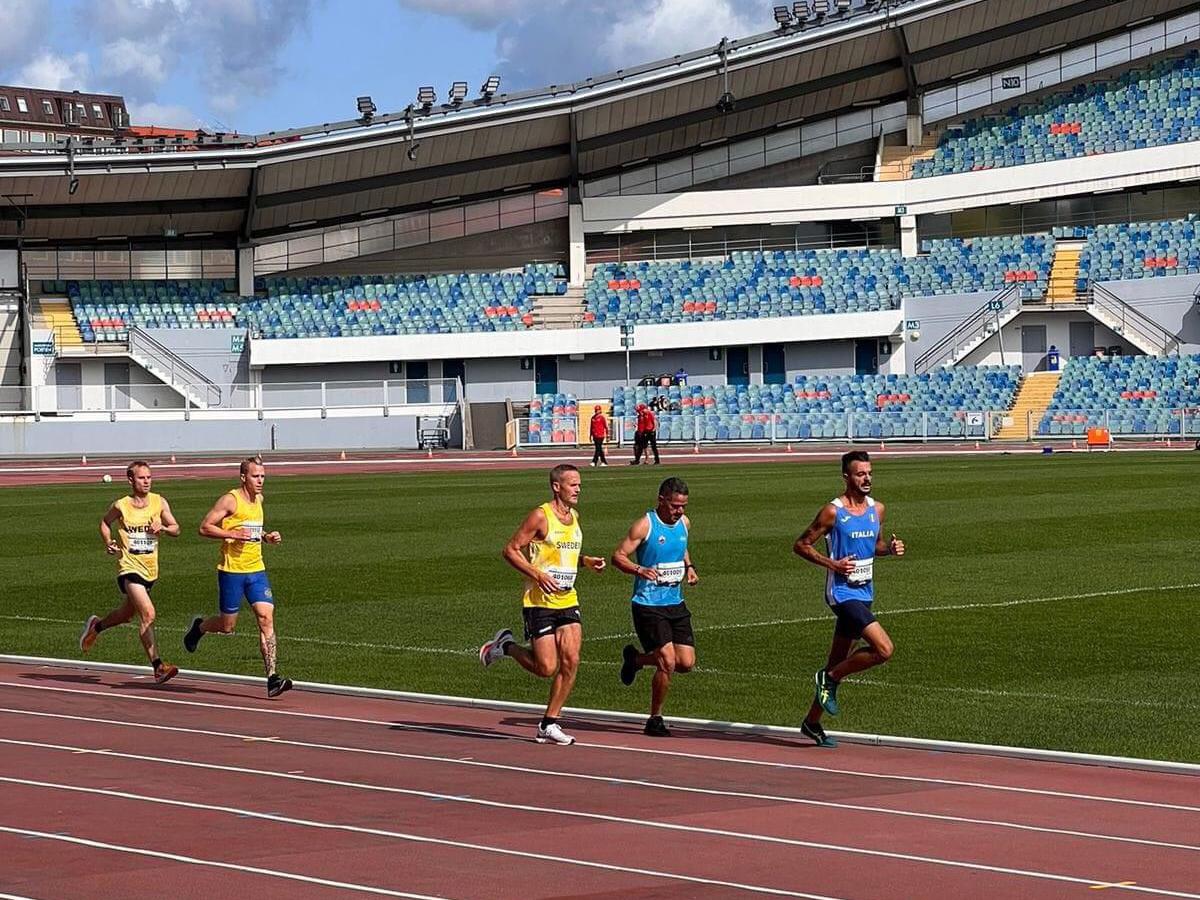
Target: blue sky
261, 65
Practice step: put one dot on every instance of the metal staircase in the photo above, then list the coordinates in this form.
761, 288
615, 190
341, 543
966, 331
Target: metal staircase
972, 331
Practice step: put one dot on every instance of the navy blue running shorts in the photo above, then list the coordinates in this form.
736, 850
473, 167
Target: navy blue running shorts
853, 616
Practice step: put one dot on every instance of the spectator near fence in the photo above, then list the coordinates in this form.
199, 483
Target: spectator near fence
646, 434
599, 431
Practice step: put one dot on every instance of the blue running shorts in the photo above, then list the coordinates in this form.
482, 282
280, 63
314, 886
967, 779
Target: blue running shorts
253, 586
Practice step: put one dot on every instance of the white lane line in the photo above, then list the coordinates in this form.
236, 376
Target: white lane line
215, 863
297, 639
401, 835
956, 607
609, 779
620, 748
665, 826
13, 897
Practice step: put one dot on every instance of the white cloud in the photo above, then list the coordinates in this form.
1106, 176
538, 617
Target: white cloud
482, 14
541, 42
165, 114
667, 27
134, 62
53, 72
19, 20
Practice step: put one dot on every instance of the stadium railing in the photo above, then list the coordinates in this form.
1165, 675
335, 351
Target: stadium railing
859, 427
323, 399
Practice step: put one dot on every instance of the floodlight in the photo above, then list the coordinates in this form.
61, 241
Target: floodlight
843, 6
490, 87
800, 10
367, 108
458, 92
426, 96
820, 8
783, 16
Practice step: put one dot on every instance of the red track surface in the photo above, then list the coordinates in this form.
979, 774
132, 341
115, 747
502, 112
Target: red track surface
317, 795
72, 470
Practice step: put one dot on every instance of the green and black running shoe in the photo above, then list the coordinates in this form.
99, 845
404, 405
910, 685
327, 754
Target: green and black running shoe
826, 692
817, 733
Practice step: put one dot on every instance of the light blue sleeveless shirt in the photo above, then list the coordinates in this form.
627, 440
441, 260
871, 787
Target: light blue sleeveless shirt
853, 535
663, 550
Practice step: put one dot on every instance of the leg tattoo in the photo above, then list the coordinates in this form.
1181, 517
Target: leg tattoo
268, 653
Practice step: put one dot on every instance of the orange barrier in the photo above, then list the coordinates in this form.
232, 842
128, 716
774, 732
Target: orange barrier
1099, 437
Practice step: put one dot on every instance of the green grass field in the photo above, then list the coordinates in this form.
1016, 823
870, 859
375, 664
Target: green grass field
1079, 574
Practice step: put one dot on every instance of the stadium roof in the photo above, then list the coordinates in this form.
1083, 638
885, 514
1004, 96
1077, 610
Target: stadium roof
254, 188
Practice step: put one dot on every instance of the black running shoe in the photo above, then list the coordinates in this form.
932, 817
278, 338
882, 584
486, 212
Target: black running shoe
192, 638
656, 727
817, 733
277, 685
629, 667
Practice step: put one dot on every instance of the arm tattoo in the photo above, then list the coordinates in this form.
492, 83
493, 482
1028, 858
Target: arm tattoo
268, 654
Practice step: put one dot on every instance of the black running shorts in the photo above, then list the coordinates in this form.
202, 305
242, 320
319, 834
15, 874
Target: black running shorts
657, 626
540, 621
133, 578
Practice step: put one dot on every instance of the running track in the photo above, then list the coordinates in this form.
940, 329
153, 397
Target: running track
63, 470
113, 787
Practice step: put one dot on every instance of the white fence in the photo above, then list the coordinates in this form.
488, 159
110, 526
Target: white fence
433, 396
866, 427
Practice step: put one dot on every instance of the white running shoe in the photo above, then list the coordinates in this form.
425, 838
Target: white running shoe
554, 734
592, 464
89, 634
493, 650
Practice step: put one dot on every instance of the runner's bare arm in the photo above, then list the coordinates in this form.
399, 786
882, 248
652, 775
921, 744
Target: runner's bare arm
106, 522
210, 526
893, 547
534, 528
805, 545
693, 577
595, 563
638, 532
169, 525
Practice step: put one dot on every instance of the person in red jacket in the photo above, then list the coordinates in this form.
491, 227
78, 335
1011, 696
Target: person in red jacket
646, 434
599, 432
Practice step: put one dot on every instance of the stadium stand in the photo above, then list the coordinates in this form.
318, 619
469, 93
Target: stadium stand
105, 310
1147, 107
316, 307
828, 406
1129, 395
363, 305
1140, 250
553, 419
807, 282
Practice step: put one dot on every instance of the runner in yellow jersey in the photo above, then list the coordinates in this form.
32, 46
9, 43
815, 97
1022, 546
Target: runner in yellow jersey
547, 550
138, 519
236, 520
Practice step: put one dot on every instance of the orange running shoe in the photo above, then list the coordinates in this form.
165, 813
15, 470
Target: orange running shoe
89, 634
165, 673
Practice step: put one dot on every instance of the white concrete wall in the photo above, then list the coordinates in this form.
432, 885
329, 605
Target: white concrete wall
546, 342
880, 199
1058, 331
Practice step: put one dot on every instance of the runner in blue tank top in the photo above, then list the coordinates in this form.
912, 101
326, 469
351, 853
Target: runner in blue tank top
663, 623
852, 526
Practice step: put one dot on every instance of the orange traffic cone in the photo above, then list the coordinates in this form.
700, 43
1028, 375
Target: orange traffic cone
172, 457
513, 452
789, 448
343, 455
83, 460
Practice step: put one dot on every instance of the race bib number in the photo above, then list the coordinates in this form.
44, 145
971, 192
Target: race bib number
863, 569
564, 578
142, 542
670, 574
256, 532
